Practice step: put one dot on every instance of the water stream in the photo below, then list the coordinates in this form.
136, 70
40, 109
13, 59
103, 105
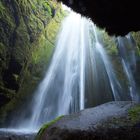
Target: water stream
127, 53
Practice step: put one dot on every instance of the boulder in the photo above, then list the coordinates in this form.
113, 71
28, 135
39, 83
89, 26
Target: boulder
118, 120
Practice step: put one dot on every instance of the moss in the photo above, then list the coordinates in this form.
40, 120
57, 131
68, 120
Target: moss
51, 31
8, 95
47, 7
42, 51
2, 50
54, 26
54, 4
26, 5
7, 24
44, 128
21, 49
138, 51
134, 114
25, 28
109, 43
7, 92
136, 36
2, 8
16, 76
5, 111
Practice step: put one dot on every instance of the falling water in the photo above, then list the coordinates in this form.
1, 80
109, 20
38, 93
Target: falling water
127, 54
114, 83
80, 75
62, 89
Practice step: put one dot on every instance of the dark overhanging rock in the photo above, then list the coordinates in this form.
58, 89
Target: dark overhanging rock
118, 17
110, 121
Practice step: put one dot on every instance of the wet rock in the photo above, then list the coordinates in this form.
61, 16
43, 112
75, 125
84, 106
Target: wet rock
27, 38
9, 135
110, 121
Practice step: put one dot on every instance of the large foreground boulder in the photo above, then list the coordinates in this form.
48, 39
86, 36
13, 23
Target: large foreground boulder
110, 121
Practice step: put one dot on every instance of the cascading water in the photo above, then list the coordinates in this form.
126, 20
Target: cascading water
127, 53
62, 90
114, 83
80, 75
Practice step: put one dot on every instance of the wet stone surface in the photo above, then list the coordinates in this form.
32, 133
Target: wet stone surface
9, 135
109, 121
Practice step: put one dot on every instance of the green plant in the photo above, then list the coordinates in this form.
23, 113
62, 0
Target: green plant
134, 114
44, 128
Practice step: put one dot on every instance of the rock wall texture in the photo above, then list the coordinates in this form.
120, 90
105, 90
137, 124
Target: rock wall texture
28, 29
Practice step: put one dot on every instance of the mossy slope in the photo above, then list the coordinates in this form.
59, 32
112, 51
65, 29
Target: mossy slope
28, 29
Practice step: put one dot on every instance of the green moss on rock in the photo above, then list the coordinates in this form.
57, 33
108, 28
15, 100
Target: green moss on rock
134, 114
136, 36
28, 29
44, 128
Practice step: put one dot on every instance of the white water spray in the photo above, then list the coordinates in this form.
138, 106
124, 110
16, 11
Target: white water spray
127, 54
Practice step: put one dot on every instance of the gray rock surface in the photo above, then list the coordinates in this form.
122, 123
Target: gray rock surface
109, 121
13, 135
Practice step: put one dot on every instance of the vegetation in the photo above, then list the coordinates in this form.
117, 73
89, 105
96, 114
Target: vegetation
44, 128
28, 32
109, 43
136, 36
134, 114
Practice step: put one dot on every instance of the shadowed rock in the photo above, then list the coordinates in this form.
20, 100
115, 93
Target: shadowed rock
12, 135
110, 121
116, 16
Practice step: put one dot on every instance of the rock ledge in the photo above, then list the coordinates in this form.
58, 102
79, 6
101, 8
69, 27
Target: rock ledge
111, 121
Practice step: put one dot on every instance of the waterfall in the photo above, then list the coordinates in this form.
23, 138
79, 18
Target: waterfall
127, 54
80, 75
62, 89
114, 83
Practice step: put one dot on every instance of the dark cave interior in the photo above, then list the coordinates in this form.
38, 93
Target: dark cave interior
118, 17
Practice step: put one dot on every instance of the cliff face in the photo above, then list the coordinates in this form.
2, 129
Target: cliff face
28, 30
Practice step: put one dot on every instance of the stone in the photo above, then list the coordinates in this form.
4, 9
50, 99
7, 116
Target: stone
110, 121
13, 135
